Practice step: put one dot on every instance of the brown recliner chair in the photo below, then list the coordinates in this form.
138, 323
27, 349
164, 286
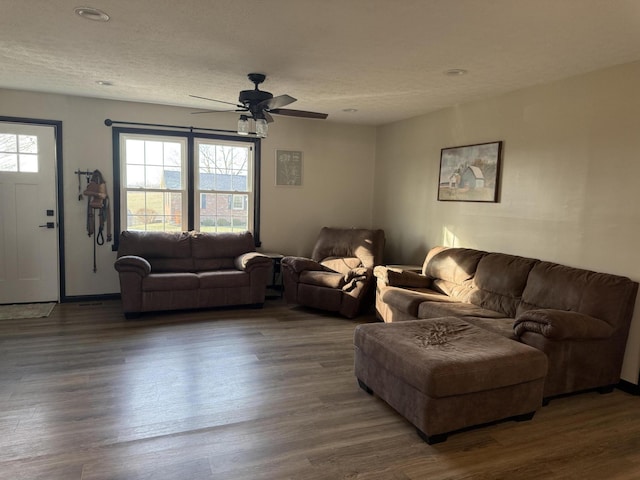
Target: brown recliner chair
339, 275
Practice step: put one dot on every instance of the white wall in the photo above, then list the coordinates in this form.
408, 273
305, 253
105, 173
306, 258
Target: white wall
569, 179
337, 188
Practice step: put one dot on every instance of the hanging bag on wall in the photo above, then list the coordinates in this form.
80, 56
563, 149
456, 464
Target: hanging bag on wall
96, 190
97, 199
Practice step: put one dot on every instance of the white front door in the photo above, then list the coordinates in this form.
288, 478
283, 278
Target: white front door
28, 214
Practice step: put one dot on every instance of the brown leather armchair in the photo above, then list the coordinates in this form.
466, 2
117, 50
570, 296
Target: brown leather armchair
339, 275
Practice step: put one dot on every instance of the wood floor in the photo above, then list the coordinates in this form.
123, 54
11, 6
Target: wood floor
256, 394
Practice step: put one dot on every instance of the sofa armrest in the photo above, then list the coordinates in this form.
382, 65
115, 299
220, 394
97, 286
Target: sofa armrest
251, 260
561, 325
390, 277
300, 264
133, 264
405, 301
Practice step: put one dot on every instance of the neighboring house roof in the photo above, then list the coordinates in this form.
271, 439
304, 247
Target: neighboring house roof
209, 181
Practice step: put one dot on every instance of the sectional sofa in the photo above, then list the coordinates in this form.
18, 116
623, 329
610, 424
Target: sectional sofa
580, 319
478, 337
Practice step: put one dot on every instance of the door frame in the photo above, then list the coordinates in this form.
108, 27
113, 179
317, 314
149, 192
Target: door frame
57, 132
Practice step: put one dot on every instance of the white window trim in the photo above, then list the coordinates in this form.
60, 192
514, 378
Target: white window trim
250, 175
123, 173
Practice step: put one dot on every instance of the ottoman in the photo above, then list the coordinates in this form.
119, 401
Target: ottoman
444, 374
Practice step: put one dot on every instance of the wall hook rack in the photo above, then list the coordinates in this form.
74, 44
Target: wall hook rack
87, 174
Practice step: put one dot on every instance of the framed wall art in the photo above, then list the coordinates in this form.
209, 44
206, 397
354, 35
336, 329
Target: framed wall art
470, 173
288, 168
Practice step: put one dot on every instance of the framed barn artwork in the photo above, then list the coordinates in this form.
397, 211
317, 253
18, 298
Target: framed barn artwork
470, 173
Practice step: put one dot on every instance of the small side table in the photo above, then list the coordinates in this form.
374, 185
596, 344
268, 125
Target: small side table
275, 288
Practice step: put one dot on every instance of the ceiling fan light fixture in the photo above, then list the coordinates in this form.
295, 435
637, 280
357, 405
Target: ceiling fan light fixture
261, 127
259, 106
243, 125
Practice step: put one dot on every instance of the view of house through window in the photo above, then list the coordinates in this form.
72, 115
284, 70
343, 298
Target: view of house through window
157, 183
154, 193
223, 186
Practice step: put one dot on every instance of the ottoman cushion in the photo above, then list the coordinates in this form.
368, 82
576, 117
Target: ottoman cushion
447, 356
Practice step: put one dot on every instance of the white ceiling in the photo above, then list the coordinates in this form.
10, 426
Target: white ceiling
385, 58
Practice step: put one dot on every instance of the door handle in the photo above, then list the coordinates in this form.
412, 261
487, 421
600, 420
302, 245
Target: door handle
48, 225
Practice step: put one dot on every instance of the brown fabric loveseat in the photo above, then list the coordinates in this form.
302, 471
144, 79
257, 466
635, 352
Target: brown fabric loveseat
580, 319
184, 270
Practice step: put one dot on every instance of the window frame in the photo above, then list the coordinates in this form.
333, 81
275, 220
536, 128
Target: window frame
191, 171
201, 192
123, 173
19, 154
233, 202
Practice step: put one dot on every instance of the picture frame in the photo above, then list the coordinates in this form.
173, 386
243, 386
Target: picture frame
288, 168
470, 173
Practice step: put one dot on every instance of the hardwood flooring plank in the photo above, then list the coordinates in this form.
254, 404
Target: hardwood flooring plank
256, 394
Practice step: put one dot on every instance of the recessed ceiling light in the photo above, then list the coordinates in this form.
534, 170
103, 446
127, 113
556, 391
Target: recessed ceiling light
456, 72
91, 13
350, 110
104, 83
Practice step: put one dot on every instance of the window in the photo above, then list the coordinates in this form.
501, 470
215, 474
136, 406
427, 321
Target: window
154, 186
224, 184
175, 181
238, 202
18, 153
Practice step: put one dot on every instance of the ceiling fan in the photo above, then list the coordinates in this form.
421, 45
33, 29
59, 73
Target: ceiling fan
259, 105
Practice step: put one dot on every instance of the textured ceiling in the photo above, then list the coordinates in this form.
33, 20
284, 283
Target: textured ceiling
384, 58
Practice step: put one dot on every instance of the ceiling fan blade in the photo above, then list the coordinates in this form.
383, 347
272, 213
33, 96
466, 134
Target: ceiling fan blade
299, 113
277, 102
219, 101
215, 111
267, 117
241, 110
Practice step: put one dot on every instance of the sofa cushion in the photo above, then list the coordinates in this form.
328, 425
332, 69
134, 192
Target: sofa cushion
224, 279
208, 264
170, 281
501, 326
155, 244
171, 265
441, 309
599, 295
452, 270
367, 245
165, 251
499, 282
221, 245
